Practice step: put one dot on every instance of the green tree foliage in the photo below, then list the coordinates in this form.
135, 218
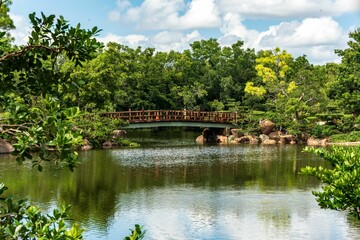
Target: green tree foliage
120, 77
6, 24
345, 89
19, 220
342, 181
272, 67
35, 120
43, 132
137, 234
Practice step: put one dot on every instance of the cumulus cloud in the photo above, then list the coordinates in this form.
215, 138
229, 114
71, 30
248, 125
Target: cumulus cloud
307, 26
22, 29
309, 32
288, 8
177, 41
163, 41
315, 37
132, 40
166, 14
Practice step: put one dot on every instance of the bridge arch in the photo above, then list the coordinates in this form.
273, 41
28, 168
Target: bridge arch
170, 118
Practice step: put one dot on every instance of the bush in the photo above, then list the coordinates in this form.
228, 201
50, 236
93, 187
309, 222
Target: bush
321, 131
349, 137
96, 128
126, 143
18, 220
342, 182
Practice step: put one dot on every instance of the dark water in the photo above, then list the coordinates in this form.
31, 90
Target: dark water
178, 190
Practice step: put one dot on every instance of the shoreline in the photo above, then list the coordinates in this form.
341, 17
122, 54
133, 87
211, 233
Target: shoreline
344, 143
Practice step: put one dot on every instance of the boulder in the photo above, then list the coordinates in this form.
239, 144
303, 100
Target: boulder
263, 137
312, 142
87, 145
275, 135
269, 142
200, 139
324, 142
254, 141
119, 134
243, 139
251, 139
107, 144
287, 138
317, 142
266, 126
236, 132
222, 139
6, 147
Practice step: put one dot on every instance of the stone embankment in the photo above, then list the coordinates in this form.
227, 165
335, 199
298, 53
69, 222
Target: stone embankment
268, 136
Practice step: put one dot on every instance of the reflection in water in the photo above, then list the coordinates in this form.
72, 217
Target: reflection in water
179, 190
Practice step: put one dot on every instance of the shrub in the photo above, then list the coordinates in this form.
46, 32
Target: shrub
321, 131
342, 182
349, 137
19, 220
96, 128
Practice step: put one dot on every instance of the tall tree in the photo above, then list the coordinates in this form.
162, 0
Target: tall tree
346, 87
272, 67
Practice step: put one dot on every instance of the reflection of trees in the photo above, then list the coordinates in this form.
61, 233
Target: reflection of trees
96, 186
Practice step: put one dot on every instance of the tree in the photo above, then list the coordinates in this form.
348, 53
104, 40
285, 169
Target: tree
342, 181
6, 24
272, 67
35, 120
346, 88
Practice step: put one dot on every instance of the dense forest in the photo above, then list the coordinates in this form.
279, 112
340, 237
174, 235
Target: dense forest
257, 84
68, 68
264, 84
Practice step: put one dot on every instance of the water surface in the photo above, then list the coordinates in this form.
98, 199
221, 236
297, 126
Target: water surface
179, 190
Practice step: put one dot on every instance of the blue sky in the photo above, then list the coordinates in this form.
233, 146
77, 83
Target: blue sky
311, 27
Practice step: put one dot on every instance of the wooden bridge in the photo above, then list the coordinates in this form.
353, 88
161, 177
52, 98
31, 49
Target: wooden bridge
165, 118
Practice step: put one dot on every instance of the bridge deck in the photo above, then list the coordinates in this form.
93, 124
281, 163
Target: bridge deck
151, 116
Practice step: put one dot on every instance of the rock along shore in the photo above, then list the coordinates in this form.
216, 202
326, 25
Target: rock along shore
268, 136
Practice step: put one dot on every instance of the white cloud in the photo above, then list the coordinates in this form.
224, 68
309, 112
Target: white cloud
309, 32
177, 41
307, 27
166, 14
22, 29
163, 41
232, 26
288, 8
132, 40
114, 16
123, 4
315, 37
201, 13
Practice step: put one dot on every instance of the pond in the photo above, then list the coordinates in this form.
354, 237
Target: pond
179, 190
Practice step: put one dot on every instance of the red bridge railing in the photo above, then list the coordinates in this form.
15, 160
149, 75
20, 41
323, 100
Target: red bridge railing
145, 116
